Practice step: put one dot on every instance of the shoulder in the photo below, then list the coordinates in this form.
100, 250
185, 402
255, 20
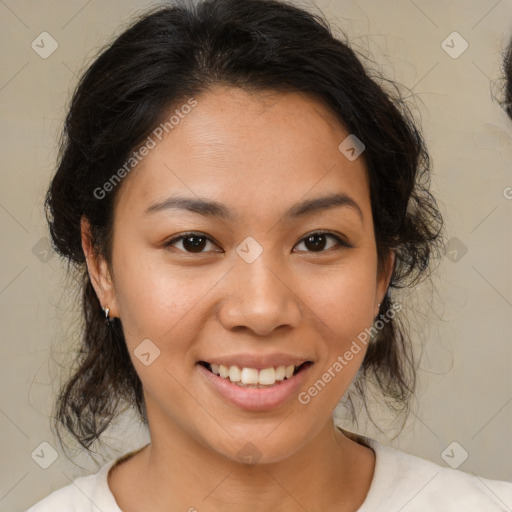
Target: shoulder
410, 483
84, 494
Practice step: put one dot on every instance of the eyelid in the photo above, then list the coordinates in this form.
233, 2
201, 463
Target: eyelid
187, 234
339, 240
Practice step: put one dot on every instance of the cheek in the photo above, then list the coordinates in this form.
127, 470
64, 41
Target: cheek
158, 301
341, 311
342, 298
341, 306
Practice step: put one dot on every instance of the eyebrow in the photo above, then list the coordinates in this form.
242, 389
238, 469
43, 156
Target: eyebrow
215, 209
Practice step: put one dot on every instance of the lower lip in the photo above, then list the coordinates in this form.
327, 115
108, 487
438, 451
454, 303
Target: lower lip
256, 399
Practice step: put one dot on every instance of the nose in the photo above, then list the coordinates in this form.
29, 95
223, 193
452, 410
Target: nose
258, 299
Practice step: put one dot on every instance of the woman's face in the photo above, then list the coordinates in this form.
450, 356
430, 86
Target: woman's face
250, 288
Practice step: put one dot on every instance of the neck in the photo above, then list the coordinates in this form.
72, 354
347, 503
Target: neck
330, 472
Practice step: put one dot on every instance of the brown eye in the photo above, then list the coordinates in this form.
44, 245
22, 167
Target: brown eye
191, 242
317, 242
195, 243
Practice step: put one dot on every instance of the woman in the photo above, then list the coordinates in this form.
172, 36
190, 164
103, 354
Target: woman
242, 199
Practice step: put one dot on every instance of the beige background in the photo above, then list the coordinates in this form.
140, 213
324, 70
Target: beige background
465, 392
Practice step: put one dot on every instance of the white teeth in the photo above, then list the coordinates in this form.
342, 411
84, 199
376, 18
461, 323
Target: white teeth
251, 376
267, 376
234, 374
280, 373
248, 376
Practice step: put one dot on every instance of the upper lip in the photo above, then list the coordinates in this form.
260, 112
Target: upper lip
257, 361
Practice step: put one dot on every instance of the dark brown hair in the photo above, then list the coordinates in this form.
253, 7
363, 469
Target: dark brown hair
507, 68
177, 52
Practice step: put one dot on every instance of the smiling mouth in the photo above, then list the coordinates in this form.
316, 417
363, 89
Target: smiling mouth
252, 377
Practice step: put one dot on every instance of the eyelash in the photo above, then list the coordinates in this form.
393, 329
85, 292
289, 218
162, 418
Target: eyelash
340, 242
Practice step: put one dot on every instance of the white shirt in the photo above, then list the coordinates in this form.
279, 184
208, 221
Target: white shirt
401, 483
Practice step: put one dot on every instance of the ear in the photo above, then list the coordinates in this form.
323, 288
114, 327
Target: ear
98, 270
383, 280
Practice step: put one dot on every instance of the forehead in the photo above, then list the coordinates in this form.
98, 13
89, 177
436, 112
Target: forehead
256, 151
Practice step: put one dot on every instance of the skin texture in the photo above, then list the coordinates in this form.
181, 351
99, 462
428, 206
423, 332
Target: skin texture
259, 154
